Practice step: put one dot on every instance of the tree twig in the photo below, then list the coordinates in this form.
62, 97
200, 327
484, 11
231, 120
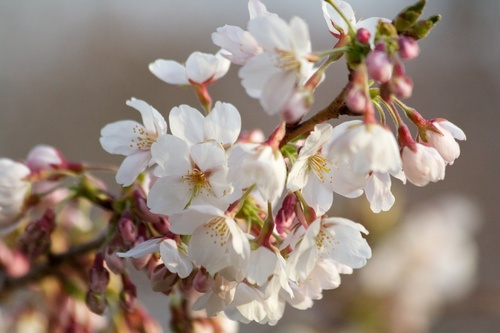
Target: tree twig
336, 108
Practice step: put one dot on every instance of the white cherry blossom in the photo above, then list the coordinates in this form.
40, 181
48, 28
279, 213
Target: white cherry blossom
423, 164
335, 238
257, 164
133, 140
216, 240
200, 68
14, 187
444, 142
273, 75
312, 172
222, 124
368, 147
188, 175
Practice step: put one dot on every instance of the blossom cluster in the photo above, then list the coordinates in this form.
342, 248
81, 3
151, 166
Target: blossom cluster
239, 223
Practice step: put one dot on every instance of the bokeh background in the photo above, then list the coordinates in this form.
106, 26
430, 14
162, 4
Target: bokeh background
67, 68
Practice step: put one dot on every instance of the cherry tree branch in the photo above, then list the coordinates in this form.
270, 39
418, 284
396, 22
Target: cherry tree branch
8, 284
334, 110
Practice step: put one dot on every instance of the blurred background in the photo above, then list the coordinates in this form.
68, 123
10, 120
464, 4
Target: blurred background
67, 68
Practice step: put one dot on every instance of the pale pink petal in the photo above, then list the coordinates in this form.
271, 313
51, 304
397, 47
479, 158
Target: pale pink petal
169, 195
200, 67
119, 137
131, 167
169, 71
186, 122
142, 249
174, 259
172, 155
223, 124
151, 118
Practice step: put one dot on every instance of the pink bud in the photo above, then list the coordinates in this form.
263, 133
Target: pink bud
202, 281
379, 66
363, 36
35, 240
128, 294
408, 48
162, 279
286, 214
401, 85
43, 157
98, 275
127, 228
114, 263
356, 99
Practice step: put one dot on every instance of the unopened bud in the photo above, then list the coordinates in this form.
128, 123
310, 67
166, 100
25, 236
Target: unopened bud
114, 263
202, 281
356, 99
43, 157
408, 16
35, 240
96, 302
98, 275
379, 66
127, 228
128, 294
162, 279
286, 214
408, 48
422, 28
363, 36
401, 85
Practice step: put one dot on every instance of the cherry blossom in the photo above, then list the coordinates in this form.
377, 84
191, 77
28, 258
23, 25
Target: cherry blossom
422, 164
222, 124
312, 173
216, 240
368, 147
14, 187
188, 175
441, 136
133, 140
200, 68
285, 62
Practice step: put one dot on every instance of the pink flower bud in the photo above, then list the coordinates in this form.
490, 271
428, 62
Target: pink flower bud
162, 279
43, 157
400, 85
202, 281
379, 66
363, 36
98, 275
127, 228
356, 99
408, 48
114, 263
128, 294
286, 214
35, 240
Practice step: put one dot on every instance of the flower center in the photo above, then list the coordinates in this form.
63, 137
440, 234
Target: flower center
325, 243
197, 180
317, 164
287, 60
217, 229
143, 140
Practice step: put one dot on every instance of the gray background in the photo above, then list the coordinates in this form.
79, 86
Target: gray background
67, 68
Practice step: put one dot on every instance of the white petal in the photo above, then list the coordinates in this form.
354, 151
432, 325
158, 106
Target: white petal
169, 71
169, 195
271, 32
142, 249
200, 67
299, 32
151, 118
298, 176
172, 155
256, 72
132, 166
208, 156
277, 91
318, 195
223, 124
378, 192
187, 123
174, 259
119, 137
455, 131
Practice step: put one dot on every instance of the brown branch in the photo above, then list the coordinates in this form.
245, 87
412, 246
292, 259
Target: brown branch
336, 108
8, 284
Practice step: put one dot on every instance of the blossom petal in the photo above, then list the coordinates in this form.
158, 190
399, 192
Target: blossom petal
169, 195
151, 118
169, 71
174, 259
132, 166
223, 124
186, 123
